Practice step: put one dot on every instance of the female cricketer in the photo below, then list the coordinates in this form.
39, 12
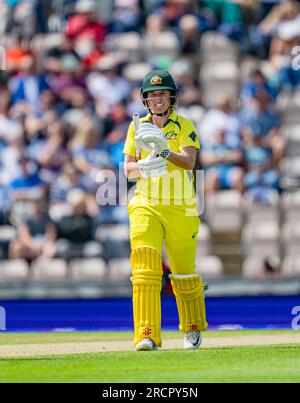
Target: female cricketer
160, 153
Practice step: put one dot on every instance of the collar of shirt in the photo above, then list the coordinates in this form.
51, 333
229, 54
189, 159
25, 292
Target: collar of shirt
172, 117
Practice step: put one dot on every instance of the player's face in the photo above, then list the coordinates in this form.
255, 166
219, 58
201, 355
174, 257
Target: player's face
158, 101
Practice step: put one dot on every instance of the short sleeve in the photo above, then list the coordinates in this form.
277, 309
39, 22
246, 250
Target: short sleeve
189, 135
130, 146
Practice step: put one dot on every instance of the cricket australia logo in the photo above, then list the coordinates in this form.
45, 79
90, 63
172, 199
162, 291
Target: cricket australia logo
171, 135
156, 80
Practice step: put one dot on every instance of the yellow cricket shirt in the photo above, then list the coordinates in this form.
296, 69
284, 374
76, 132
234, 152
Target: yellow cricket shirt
177, 185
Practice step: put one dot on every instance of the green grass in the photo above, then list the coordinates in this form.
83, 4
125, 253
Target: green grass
232, 364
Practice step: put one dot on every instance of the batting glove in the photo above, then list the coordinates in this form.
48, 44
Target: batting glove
150, 137
152, 166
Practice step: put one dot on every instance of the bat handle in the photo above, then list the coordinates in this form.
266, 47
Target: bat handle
136, 122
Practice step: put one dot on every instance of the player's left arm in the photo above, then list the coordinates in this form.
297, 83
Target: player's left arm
186, 159
188, 146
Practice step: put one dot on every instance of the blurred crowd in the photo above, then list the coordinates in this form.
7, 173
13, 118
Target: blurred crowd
65, 107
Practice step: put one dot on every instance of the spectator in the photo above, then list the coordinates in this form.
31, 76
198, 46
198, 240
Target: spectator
75, 230
36, 235
222, 165
134, 104
28, 183
126, 16
261, 119
69, 179
67, 76
283, 25
66, 181
19, 16
173, 10
115, 138
261, 180
11, 152
190, 96
224, 117
49, 103
51, 152
107, 85
16, 53
230, 15
189, 34
88, 153
257, 82
28, 87
155, 24
84, 29
8, 127
4, 205
54, 56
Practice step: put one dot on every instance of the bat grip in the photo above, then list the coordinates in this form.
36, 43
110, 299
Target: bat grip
136, 122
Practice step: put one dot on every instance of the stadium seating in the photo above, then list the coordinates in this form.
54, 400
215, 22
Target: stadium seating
215, 47
164, 44
135, 72
212, 72
57, 211
119, 268
204, 242
210, 267
288, 103
49, 270
115, 240
213, 92
291, 266
7, 233
290, 237
14, 270
129, 42
290, 204
261, 239
258, 212
260, 267
113, 232
292, 134
248, 64
291, 172
87, 269
41, 42
224, 204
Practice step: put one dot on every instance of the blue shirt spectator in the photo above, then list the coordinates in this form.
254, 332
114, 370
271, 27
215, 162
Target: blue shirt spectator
260, 174
222, 164
29, 86
69, 179
28, 185
257, 82
260, 116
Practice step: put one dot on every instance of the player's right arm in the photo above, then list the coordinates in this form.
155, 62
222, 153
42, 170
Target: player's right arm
131, 168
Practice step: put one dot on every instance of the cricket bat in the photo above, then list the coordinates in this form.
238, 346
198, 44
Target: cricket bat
136, 122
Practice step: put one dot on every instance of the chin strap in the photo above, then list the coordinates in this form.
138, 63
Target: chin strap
161, 114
